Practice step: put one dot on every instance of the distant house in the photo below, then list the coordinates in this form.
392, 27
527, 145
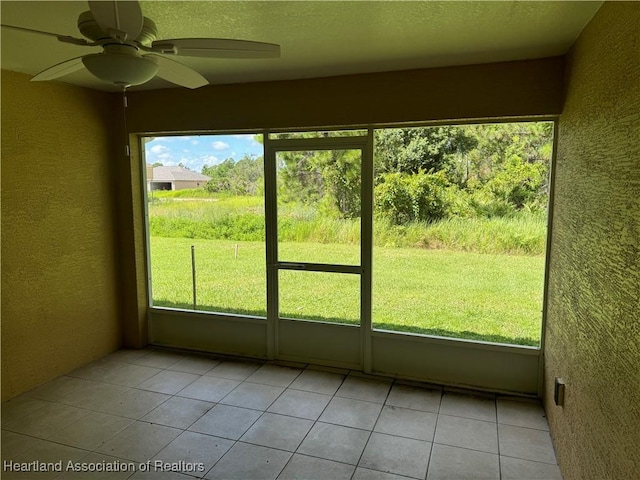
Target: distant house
174, 178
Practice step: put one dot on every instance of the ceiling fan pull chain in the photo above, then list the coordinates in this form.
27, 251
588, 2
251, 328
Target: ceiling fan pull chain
125, 105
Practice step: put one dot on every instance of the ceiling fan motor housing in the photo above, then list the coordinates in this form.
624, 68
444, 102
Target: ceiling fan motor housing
121, 65
90, 29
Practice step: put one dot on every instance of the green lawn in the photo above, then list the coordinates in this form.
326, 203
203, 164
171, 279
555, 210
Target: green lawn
492, 297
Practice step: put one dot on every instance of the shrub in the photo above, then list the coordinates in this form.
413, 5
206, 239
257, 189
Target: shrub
403, 198
485, 204
458, 203
392, 198
519, 183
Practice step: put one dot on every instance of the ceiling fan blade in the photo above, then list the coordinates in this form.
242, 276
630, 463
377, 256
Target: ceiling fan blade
121, 20
59, 70
62, 38
216, 48
177, 73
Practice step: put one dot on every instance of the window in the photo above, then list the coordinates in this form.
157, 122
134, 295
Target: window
460, 230
207, 233
459, 227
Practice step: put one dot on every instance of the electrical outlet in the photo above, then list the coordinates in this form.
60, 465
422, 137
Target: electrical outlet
558, 392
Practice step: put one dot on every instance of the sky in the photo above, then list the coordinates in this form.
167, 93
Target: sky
195, 151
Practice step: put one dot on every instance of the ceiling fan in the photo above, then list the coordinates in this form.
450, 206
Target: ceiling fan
131, 54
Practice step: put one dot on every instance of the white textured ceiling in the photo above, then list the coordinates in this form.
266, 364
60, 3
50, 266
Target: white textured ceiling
317, 38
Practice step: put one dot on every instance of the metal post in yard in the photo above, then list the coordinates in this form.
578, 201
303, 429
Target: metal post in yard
193, 273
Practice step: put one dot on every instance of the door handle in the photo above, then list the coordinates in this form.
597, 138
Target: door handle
299, 266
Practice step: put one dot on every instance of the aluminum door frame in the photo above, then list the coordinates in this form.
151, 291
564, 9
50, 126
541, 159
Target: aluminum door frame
364, 270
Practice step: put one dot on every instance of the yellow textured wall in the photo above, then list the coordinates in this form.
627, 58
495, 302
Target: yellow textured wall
593, 326
59, 299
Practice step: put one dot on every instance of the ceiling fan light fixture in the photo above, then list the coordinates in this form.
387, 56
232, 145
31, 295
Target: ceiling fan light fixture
121, 69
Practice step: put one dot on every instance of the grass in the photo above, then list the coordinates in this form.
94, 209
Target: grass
522, 234
242, 218
184, 193
477, 278
491, 297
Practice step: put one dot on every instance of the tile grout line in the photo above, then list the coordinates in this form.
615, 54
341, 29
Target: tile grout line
435, 429
315, 422
374, 426
495, 403
254, 422
133, 421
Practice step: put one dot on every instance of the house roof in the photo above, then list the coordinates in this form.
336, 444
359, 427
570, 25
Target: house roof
170, 174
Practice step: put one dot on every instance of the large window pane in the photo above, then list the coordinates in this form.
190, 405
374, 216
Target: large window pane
460, 230
206, 210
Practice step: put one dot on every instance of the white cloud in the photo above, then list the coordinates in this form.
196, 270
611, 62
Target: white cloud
158, 149
194, 142
158, 153
219, 145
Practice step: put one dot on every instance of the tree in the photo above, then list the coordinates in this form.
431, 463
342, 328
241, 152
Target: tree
219, 175
490, 169
342, 175
511, 163
424, 149
402, 197
243, 177
497, 143
519, 183
328, 177
246, 176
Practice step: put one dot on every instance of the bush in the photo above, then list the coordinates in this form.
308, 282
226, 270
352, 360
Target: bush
392, 198
519, 183
403, 198
485, 204
458, 203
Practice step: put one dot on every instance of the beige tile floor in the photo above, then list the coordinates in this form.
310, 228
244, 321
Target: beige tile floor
213, 417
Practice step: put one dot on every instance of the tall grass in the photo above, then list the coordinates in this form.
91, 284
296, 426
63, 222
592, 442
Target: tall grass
184, 193
242, 219
522, 234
